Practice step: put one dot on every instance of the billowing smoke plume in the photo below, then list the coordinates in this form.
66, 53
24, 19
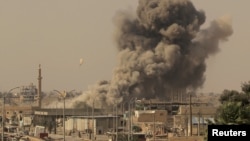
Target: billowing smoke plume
161, 49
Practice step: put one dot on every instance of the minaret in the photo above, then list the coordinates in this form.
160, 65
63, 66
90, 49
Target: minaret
39, 92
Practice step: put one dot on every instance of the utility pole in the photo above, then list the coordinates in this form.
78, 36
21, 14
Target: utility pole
3, 114
93, 126
116, 123
199, 123
64, 116
190, 114
63, 96
129, 115
130, 134
154, 125
93, 120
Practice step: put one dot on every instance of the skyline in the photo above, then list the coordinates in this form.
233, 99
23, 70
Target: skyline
58, 34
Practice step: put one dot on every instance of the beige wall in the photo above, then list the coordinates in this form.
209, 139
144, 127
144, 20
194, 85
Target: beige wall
101, 125
158, 116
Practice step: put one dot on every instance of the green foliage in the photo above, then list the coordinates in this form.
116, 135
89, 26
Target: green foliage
229, 95
235, 108
245, 87
139, 106
136, 129
229, 113
244, 115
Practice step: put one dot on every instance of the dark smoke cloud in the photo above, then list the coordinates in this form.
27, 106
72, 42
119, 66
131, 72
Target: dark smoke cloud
160, 49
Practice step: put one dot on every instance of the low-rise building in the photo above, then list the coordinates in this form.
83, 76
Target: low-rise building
200, 115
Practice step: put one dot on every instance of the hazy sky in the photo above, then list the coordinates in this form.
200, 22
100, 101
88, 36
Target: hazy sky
57, 33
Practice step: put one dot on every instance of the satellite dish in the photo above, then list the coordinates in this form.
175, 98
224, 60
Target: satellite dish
81, 62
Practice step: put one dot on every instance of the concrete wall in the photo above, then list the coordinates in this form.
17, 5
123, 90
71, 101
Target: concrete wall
158, 116
101, 125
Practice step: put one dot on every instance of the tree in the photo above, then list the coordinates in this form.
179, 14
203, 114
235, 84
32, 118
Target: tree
228, 95
136, 129
233, 96
229, 113
235, 108
245, 87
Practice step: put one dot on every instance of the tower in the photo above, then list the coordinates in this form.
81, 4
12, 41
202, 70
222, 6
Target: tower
39, 92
